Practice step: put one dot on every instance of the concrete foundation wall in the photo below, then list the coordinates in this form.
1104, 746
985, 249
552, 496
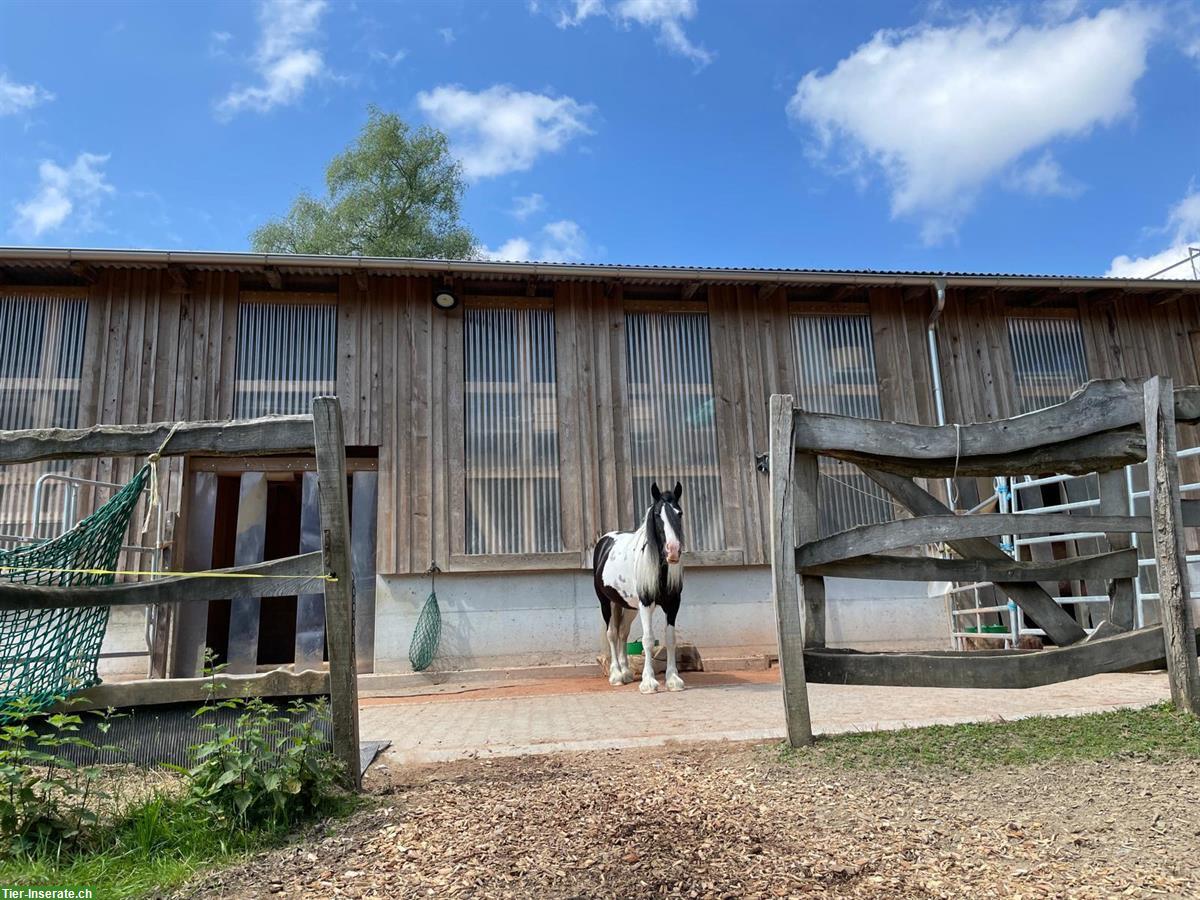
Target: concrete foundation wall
553, 618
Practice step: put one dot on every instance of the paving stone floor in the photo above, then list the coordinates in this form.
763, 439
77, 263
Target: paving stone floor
584, 712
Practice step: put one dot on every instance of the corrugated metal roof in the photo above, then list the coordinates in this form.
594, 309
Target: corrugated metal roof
38, 257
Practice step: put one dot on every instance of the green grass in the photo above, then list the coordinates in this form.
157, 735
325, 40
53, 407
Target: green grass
1157, 733
157, 847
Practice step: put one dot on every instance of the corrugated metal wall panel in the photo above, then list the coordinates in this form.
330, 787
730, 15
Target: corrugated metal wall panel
41, 358
511, 432
835, 366
670, 416
287, 354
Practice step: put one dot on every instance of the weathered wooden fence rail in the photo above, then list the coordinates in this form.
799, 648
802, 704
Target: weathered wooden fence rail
1103, 427
329, 568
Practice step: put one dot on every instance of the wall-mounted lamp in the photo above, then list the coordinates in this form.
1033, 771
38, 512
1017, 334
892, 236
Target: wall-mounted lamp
445, 298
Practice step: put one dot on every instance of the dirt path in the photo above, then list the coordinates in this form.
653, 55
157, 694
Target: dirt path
734, 822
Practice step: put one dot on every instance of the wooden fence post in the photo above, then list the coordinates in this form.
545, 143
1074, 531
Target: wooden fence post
783, 572
1170, 551
339, 595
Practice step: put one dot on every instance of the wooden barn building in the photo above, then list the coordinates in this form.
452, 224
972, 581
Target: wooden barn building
502, 416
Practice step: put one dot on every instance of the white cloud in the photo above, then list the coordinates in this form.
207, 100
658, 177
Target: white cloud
512, 250
285, 59
16, 98
943, 110
667, 16
64, 192
502, 130
391, 60
562, 241
447, 35
577, 12
524, 207
1045, 178
1183, 226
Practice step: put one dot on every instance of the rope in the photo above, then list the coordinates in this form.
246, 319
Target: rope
957, 457
5, 570
152, 462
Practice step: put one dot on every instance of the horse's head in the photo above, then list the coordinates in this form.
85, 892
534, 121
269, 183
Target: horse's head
666, 518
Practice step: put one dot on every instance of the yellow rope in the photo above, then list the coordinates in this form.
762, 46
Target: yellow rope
21, 569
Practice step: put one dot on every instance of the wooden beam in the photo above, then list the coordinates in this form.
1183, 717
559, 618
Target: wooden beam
1162, 298
766, 290
612, 288
274, 277
84, 271
157, 691
1120, 564
1170, 548
329, 437
250, 437
689, 289
1095, 453
867, 539
989, 669
191, 628
1099, 406
362, 280
807, 478
1122, 593
174, 588
310, 604
180, 282
1036, 602
250, 544
531, 286
783, 573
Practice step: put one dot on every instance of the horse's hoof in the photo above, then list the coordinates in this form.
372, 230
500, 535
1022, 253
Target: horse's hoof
616, 679
648, 687
626, 677
674, 683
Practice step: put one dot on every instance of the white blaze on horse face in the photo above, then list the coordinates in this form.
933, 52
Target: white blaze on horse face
673, 546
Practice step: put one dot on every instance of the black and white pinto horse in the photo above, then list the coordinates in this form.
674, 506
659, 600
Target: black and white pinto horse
635, 571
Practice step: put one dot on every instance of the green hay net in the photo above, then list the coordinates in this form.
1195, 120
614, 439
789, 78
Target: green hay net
46, 653
426, 635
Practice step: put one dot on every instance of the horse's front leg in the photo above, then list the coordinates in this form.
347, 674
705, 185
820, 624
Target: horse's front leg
674, 682
627, 616
649, 685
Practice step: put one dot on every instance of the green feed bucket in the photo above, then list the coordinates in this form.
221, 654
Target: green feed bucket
634, 648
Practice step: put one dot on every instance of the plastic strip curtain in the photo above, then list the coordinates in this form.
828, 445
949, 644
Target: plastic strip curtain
286, 355
41, 358
511, 432
1048, 359
670, 409
835, 362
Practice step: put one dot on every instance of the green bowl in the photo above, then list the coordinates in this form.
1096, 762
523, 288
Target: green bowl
634, 648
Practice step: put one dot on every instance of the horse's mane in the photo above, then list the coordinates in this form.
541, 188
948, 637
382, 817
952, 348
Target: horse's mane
648, 570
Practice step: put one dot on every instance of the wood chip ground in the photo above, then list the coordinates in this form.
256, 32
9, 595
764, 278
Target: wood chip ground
732, 821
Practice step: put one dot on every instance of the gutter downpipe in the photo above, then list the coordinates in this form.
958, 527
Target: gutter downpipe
938, 287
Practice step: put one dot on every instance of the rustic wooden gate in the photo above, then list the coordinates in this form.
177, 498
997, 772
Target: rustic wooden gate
326, 569
1103, 427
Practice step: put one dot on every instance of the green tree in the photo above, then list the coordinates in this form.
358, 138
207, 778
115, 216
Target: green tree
395, 192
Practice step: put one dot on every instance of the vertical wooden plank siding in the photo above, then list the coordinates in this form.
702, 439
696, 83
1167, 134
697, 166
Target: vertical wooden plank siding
155, 352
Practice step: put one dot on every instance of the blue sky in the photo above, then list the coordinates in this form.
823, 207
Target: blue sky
1056, 137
